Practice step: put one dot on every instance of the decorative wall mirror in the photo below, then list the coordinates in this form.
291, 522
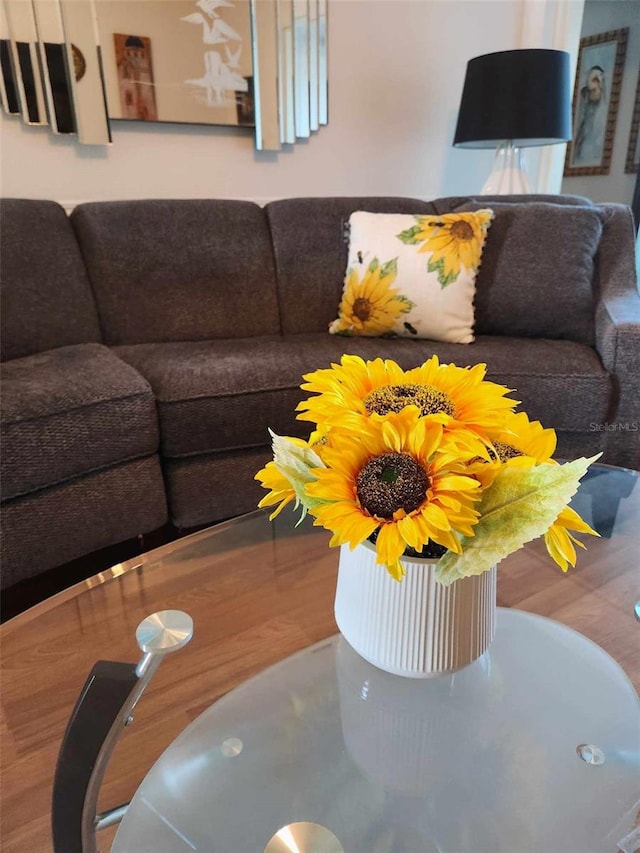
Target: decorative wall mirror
80, 64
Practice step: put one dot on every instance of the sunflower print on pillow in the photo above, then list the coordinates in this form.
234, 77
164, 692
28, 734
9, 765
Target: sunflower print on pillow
455, 240
370, 306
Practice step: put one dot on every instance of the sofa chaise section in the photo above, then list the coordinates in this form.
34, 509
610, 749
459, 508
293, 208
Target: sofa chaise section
80, 467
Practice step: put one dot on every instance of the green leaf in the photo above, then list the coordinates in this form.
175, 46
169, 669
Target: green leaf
390, 267
406, 304
373, 266
438, 267
520, 505
409, 236
295, 462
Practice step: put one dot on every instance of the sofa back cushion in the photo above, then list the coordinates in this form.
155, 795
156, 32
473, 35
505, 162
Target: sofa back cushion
179, 270
46, 296
537, 275
449, 203
310, 244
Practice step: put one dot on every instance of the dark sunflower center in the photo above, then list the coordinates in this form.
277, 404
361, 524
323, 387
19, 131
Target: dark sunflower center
391, 482
362, 309
393, 398
505, 451
461, 230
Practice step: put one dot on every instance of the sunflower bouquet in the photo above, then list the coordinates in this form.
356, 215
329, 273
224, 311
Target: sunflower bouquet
432, 461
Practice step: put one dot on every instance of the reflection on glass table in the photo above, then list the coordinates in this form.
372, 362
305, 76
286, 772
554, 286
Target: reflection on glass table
534, 747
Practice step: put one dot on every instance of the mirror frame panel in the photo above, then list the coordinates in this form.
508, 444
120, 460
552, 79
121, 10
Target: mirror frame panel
26, 61
87, 83
286, 100
323, 70
264, 51
301, 67
314, 81
55, 67
8, 83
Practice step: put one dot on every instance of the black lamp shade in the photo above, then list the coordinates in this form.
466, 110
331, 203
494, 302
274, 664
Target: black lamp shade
522, 96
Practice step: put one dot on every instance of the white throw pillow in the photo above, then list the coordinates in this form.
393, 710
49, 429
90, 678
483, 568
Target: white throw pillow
412, 276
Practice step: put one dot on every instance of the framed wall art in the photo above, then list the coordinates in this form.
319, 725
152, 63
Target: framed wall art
633, 148
595, 102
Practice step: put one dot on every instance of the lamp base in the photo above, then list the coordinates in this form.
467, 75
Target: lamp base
509, 174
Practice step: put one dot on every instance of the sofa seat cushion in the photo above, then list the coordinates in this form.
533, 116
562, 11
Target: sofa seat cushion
79, 516
70, 411
223, 395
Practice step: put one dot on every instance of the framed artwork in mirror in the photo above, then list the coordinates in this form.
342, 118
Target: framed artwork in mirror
180, 61
595, 102
633, 148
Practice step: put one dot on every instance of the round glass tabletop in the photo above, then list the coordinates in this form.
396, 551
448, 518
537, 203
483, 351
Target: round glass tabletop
534, 747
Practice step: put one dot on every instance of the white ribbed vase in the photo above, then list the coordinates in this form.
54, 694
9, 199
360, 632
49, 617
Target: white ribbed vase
417, 627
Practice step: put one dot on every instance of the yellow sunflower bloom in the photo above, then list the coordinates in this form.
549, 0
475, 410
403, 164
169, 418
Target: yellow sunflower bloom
293, 464
522, 437
525, 443
478, 404
280, 490
455, 240
403, 477
520, 444
370, 306
560, 543
352, 391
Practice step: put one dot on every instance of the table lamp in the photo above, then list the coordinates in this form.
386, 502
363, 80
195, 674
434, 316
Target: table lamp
511, 100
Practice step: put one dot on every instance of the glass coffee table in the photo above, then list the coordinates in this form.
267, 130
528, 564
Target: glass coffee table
315, 749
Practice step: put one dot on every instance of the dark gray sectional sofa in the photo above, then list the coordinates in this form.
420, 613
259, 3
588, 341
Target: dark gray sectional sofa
148, 345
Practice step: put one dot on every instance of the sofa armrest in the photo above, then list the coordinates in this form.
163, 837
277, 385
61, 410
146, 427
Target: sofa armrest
618, 335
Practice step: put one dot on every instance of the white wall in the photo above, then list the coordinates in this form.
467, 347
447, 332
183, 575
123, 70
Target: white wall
396, 73
601, 16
